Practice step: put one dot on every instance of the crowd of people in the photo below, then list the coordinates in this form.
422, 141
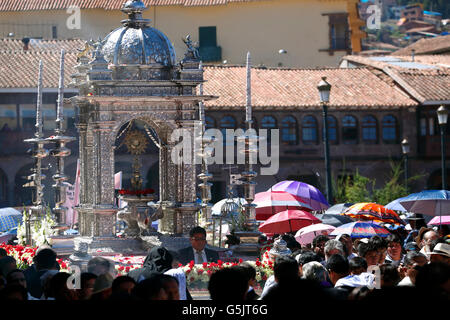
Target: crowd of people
339, 269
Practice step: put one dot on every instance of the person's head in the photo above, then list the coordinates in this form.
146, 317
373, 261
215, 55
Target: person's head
381, 245
389, 276
433, 280
2, 282
16, 276
197, 236
305, 257
102, 287
357, 265
123, 284
394, 247
291, 243
87, 280
3, 253
175, 258
441, 253
228, 284
315, 271
347, 242
58, 288
250, 273
171, 286
369, 252
14, 292
338, 267
333, 247
285, 269
150, 289
443, 230
7, 264
411, 263
262, 239
100, 265
45, 259
318, 244
425, 236
411, 246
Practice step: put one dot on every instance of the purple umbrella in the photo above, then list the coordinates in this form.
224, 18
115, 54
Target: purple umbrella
308, 193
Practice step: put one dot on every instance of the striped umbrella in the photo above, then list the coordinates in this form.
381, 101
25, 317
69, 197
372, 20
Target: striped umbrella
373, 211
271, 202
361, 229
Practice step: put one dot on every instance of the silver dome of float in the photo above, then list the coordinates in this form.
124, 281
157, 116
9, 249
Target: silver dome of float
135, 43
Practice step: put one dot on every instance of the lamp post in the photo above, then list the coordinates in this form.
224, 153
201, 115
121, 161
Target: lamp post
405, 150
442, 114
324, 93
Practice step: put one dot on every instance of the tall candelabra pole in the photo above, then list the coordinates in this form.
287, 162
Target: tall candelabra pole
38, 152
60, 152
250, 139
204, 176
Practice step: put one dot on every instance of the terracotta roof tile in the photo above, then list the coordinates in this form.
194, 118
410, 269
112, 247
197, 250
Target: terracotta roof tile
42, 45
401, 62
432, 86
426, 46
19, 69
294, 88
271, 88
31, 5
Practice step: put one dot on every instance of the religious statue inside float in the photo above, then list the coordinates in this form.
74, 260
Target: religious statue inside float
137, 213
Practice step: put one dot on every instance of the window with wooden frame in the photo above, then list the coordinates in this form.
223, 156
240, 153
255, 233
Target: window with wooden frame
338, 33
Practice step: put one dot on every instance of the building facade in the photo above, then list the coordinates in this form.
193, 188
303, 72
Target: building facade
311, 32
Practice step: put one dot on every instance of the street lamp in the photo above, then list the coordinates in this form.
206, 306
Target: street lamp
442, 114
324, 93
405, 150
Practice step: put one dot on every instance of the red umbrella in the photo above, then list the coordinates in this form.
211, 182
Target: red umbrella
270, 202
288, 221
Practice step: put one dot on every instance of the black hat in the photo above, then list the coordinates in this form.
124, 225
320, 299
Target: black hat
414, 216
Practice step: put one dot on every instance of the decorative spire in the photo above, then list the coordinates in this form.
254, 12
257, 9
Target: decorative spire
248, 108
60, 110
134, 11
39, 103
201, 111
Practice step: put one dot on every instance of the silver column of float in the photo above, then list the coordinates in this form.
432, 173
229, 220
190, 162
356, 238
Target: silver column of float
38, 152
204, 176
251, 140
59, 153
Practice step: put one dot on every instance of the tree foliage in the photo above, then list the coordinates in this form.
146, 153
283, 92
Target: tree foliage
363, 189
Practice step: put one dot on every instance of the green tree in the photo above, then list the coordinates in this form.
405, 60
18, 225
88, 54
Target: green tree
358, 188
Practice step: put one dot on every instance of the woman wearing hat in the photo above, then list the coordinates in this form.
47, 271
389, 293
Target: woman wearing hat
279, 249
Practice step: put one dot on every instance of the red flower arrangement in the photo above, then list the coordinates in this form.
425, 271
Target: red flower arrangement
136, 192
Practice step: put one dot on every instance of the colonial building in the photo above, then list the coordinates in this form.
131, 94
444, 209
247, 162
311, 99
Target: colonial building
309, 33
426, 79
372, 108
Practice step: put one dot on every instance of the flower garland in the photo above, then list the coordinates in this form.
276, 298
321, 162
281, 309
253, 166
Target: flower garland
41, 230
202, 272
195, 273
136, 192
24, 256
